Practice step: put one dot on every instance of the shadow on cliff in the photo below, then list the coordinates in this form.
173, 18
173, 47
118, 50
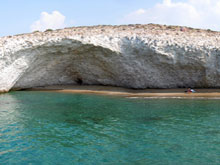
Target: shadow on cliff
69, 62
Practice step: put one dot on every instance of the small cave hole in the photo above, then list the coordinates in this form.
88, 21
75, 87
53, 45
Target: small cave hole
79, 81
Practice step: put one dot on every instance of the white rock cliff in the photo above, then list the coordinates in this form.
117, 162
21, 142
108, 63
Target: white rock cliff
132, 56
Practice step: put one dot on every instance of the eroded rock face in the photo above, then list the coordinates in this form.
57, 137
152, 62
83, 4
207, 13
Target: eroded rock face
133, 56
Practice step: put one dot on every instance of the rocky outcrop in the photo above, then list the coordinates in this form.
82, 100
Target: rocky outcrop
133, 56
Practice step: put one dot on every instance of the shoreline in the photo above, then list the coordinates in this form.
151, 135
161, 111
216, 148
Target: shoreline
129, 93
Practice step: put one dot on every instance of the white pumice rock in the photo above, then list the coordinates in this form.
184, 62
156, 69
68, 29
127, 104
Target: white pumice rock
132, 56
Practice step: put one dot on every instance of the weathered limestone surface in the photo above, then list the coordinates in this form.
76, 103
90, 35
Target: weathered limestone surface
133, 56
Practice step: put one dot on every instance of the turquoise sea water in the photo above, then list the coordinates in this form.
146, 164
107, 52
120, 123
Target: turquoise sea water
56, 128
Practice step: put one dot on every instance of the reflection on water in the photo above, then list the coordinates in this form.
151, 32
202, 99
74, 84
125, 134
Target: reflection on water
54, 128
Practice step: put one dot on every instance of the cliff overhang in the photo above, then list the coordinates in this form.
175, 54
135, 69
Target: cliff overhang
131, 56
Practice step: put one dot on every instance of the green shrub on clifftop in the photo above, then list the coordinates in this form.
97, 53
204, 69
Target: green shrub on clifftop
48, 30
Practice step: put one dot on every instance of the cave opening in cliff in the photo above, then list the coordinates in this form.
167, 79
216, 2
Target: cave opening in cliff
79, 81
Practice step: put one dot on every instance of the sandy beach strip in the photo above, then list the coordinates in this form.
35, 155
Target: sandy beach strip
130, 93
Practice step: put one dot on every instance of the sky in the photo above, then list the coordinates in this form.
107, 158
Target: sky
25, 16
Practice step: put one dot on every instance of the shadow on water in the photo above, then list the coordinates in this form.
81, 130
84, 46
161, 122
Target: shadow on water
75, 122
150, 119
213, 132
95, 119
